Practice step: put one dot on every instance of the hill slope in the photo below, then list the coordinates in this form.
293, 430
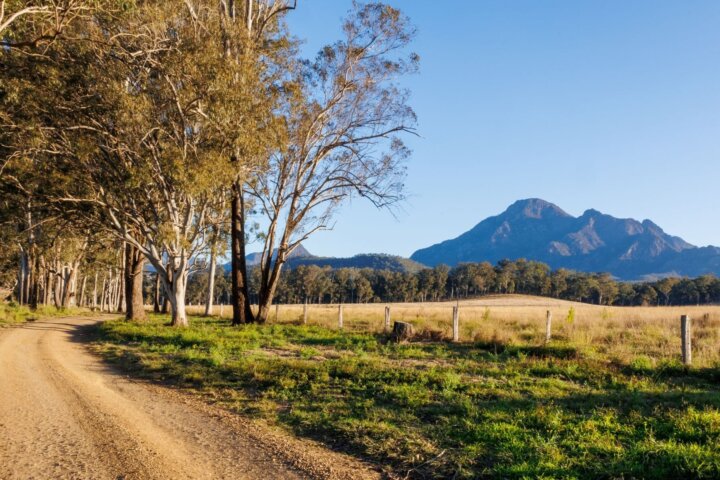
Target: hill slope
253, 259
375, 261
538, 230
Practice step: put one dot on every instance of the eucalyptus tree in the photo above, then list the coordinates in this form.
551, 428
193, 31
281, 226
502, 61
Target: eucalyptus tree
255, 42
341, 138
142, 132
216, 249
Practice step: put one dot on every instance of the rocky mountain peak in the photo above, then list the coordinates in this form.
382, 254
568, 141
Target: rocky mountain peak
534, 208
536, 229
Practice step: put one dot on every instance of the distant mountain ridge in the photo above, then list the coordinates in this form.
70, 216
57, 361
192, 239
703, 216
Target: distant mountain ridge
593, 242
253, 259
375, 261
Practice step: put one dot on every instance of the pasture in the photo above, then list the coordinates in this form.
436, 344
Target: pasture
607, 397
618, 334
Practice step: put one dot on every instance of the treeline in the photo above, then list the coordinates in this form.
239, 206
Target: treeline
316, 284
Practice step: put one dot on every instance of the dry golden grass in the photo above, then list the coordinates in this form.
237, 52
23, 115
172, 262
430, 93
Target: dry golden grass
622, 334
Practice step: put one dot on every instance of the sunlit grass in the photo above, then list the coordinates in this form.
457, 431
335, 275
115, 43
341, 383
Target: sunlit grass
619, 333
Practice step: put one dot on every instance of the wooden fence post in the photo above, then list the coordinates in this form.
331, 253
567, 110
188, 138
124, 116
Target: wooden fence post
686, 339
387, 318
277, 312
305, 313
548, 327
340, 316
456, 323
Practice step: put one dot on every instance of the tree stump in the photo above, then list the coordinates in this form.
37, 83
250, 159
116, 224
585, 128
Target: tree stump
402, 331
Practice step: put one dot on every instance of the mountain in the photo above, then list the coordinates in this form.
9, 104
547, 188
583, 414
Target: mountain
593, 242
375, 261
254, 258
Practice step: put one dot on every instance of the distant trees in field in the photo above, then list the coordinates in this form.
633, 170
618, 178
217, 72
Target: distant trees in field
316, 284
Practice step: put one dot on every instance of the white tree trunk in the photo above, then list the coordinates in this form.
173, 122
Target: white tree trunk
211, 285
81, 299
121, 282
72, 295
103, 294
173, 276
177, 301
95, 292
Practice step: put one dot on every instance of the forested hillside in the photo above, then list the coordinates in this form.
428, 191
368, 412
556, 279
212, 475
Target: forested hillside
374, 261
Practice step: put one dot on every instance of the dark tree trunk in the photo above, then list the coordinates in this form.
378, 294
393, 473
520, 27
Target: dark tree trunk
48, 287
167, 293
23, 279
57, 290
134, 264
156, 294
240, 298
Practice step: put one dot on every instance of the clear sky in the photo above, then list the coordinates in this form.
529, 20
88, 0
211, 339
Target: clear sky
613, 105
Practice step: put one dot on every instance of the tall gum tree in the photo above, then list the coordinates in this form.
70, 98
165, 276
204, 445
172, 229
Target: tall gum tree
254, 40
341, 138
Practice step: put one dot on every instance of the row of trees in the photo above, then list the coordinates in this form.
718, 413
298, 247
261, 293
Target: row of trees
171, 131
316, 284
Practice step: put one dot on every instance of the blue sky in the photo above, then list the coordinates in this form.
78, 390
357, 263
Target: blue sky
612, 105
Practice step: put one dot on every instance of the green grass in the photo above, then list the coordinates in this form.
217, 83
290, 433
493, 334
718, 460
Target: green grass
439, 410
11, 313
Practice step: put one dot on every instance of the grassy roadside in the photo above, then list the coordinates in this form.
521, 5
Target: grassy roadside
11, 313
444, 411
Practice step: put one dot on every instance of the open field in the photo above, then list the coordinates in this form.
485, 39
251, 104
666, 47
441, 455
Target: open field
607, 398
620, 334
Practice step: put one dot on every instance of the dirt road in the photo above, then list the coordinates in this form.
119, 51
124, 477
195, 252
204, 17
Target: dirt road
66, 415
